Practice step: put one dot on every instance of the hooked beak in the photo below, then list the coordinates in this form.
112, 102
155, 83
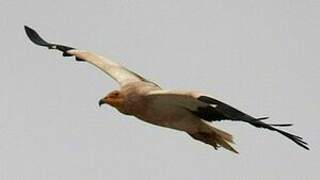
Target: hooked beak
102, 101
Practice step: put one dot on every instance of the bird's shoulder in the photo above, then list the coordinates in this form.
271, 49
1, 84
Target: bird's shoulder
140, 88
181, 94
175, 98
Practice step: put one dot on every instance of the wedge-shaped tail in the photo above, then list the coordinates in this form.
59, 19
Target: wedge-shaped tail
215, 138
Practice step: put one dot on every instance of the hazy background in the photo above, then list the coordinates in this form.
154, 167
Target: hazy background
261, 57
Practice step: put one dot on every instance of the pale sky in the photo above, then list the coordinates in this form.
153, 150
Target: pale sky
259, 56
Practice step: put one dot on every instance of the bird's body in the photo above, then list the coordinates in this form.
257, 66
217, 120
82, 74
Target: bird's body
146, 102
168, 115
139, 101
186, 111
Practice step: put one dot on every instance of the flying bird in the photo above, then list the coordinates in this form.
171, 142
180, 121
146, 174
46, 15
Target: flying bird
188, 111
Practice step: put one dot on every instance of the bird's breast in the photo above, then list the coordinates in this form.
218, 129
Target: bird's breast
173, 117
135, 104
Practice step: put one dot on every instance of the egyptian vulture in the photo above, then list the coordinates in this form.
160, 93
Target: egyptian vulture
187, 111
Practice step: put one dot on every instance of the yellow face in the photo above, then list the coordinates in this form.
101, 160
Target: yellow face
114, 99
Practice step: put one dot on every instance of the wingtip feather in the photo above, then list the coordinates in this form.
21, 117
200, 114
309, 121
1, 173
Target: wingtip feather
38, 40
35, 37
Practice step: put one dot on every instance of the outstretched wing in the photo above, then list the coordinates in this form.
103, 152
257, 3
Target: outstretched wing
210, 109
231, 113
115, 70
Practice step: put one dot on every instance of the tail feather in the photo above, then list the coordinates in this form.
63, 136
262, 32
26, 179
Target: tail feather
226, 136
226, 145
215, 138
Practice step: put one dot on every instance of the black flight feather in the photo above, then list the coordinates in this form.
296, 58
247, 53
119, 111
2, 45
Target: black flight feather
38, 40
217, 110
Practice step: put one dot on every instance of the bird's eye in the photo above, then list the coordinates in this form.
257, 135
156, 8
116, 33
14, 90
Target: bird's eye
116, 93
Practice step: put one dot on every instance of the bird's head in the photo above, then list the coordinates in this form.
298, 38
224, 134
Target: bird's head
114, 99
